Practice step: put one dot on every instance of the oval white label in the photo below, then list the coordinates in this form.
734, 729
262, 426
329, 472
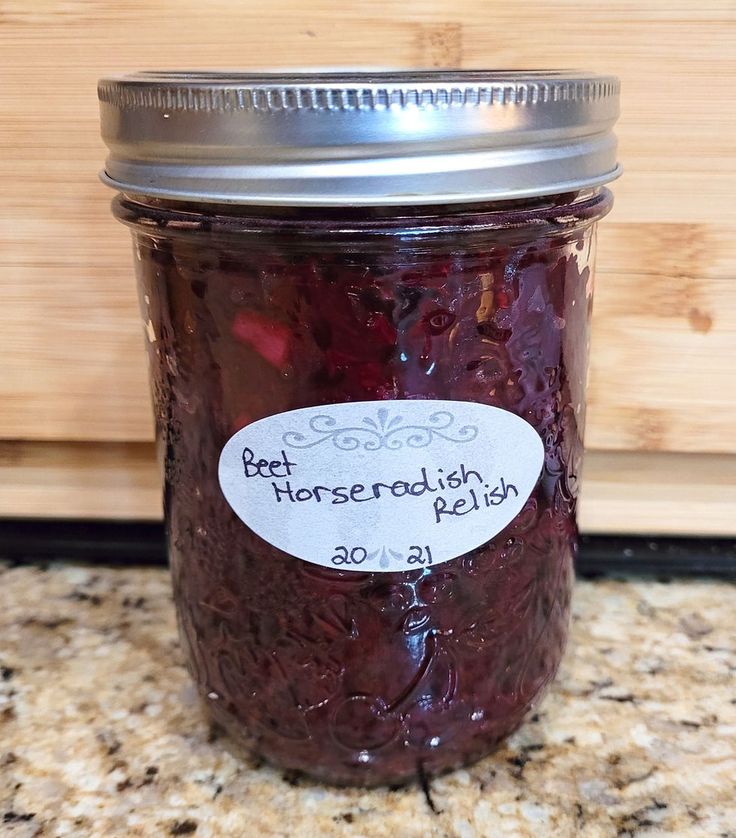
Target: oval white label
381, 486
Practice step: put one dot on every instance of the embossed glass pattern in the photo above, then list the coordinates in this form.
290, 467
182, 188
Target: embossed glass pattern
360, 677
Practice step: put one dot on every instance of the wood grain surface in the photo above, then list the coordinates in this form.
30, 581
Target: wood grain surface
663, 376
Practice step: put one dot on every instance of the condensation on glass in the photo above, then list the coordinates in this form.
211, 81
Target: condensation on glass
305, 241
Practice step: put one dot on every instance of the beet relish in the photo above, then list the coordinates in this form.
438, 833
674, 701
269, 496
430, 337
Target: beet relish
359, 677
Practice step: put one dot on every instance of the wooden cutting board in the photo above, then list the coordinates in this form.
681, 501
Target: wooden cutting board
663, 374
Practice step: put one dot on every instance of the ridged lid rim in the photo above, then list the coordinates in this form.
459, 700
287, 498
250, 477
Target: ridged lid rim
220, 91
359, 138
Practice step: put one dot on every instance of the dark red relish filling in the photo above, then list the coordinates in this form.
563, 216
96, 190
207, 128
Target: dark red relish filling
360, 677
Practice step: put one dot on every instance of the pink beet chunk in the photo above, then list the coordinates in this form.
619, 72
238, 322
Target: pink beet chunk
268, 338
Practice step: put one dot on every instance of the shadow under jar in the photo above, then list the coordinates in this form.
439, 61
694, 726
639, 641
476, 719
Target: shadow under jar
370, 406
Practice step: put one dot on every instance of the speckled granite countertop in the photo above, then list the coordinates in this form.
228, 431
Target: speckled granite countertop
101, 733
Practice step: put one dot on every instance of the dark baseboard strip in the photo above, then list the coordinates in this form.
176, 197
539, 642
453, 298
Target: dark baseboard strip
608, 555
143, 543
100, 542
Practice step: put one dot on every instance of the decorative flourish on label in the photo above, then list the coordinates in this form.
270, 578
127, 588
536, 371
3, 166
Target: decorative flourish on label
383, 432
386, 555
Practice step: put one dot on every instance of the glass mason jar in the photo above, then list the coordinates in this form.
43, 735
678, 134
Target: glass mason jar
367, 302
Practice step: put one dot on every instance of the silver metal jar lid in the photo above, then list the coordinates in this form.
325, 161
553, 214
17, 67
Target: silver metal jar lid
360, 138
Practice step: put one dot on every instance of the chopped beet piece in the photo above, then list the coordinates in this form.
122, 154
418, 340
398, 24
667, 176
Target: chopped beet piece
269, 339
